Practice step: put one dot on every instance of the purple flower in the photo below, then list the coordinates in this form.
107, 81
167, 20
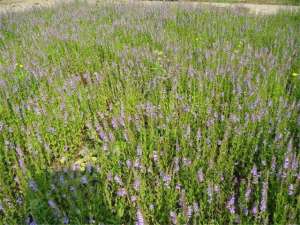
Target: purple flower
121, 192
109, 176
178, 187
254, 171
128, 163
186, 108
254, 174
173, 217
248, 193
182, 199
230, 205
189, 212
263, 203
52, 204
33, 185
2, 83
22, 165
30, 221
286, 162
102, 136
118, 180
66, 220
114, 123
139, 218
155, 156
166, 180
254, 210
200, 175
137, 164
51, 130
291, 189
101, 133
84, 180
133, 198
89, 168
136, 184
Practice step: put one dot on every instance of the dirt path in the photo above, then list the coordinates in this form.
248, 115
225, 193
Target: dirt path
255, 8
21, 5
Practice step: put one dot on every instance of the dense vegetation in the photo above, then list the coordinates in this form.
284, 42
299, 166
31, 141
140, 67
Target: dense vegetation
127, 114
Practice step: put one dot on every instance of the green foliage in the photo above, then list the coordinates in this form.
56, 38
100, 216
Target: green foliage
118, 110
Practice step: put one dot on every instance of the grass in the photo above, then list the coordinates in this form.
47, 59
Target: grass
119, 114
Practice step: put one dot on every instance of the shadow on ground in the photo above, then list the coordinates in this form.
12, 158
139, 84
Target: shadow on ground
70, 197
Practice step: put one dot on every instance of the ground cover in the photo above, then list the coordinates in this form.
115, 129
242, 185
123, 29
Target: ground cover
124, 113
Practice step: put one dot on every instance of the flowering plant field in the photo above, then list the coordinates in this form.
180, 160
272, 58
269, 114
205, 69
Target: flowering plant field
126, 114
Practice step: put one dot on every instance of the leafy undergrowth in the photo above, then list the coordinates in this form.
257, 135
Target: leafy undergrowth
122, 114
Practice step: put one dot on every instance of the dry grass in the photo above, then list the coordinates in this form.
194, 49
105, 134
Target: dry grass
275, 2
